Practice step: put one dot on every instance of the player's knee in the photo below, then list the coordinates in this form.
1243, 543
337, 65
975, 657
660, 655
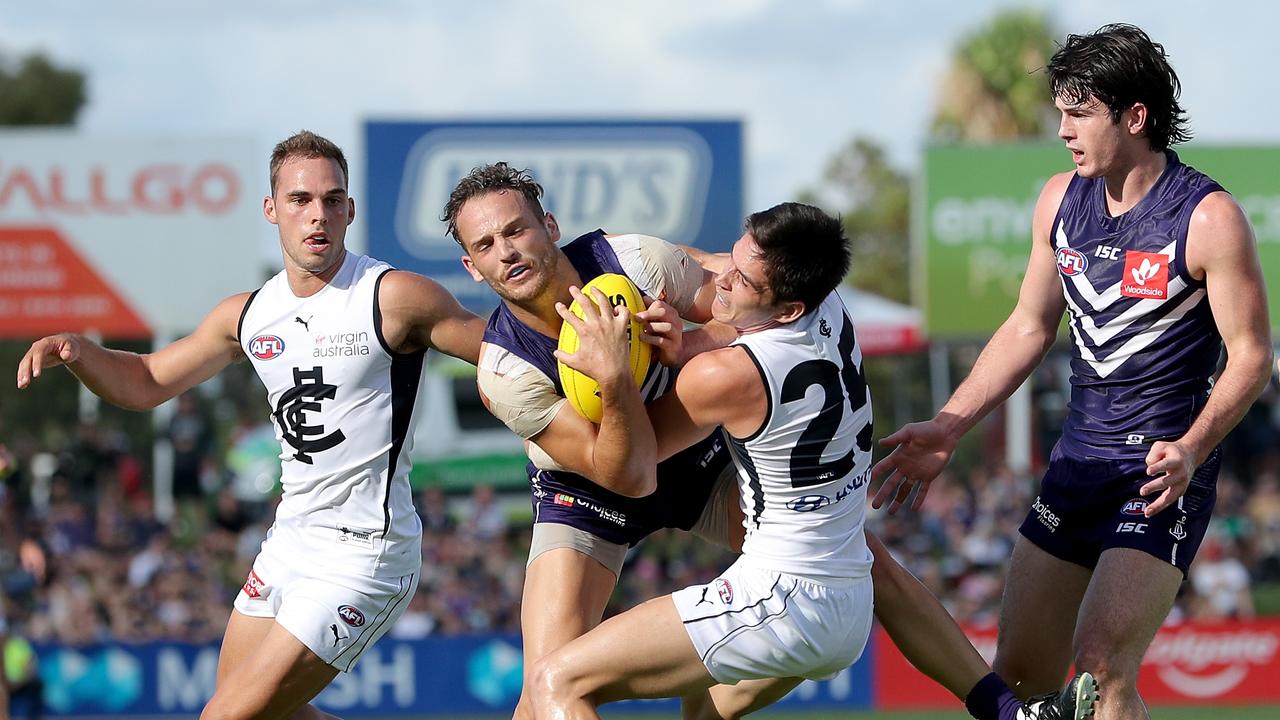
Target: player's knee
548, 685
222, 706
1107, 664
701, 707
523, 710
1017, 674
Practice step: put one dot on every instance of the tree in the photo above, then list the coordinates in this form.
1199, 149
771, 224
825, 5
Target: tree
34, 91
874, 200
994, 90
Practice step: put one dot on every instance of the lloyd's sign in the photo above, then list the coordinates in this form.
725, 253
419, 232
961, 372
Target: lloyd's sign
124, 237
681, 181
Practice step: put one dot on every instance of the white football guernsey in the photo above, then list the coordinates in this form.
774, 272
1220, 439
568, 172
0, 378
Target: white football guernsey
804, 473
341, 403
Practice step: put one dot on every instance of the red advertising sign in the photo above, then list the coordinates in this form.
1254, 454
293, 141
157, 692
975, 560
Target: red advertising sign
1220, 663
1234, 663
896, 685
149, 233
45, 287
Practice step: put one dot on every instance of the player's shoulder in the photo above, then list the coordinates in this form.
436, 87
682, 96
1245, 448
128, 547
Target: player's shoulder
1218, 228
394, 280
224, 322
645, 248
232, 308
1056, 186
1217, 207
1051, 197
501, 361
633, 240
720, 370
412, 292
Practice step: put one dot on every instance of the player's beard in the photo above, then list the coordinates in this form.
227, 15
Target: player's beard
543, 270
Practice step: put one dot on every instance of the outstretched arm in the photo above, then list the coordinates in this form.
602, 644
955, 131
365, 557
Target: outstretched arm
142, 381
418, 313
921, 450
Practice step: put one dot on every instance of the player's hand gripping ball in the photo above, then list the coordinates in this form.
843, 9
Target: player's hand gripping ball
582, 391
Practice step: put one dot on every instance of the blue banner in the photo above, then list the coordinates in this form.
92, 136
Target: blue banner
446, 677
681, 181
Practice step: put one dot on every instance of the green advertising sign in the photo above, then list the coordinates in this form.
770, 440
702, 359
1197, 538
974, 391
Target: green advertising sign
974, 223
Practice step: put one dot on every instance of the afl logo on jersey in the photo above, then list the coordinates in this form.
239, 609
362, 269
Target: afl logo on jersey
1072, 262
266, 347
350, 615
1135, 506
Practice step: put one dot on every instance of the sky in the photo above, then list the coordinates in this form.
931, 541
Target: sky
805, 76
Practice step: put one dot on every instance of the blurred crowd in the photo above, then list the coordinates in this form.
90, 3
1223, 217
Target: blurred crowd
83, 559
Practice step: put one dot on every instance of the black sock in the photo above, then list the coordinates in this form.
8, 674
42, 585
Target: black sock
991, 699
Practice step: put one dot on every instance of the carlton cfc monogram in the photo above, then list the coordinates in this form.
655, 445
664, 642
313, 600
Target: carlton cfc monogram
308, 390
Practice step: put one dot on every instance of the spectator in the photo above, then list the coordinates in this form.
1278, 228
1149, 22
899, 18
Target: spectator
1221, 582
21, 670
484, 519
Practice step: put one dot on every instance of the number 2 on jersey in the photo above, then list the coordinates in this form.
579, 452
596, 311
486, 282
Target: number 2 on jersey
838, 383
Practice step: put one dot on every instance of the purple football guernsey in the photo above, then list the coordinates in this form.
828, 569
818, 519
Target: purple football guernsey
685, 480
1145, 348
1145, 343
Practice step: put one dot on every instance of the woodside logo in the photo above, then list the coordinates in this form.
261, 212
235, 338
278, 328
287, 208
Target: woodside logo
1146, 275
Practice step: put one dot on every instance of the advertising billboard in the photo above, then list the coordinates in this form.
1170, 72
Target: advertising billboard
678, 180
1192, 663
124, 237
443, 677
973, 223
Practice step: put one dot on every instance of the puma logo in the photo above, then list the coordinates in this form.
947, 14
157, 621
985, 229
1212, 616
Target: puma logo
336, 637
304, 323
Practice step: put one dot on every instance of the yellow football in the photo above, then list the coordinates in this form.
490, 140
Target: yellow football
582, 391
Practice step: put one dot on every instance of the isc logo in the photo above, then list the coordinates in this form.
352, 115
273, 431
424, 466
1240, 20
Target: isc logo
266, 347
1072, 262
1132, 527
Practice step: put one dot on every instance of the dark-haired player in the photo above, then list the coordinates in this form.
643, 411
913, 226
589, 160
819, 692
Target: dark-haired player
790, 398
1157, 267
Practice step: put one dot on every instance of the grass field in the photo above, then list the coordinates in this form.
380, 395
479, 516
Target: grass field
1198, 713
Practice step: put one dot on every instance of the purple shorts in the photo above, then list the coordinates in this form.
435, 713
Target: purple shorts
685, 481
1087, 506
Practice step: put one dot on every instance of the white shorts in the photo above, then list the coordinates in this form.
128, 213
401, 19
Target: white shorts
337, 614
751, 623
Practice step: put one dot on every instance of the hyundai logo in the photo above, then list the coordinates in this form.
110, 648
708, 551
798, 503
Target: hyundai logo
809, 503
